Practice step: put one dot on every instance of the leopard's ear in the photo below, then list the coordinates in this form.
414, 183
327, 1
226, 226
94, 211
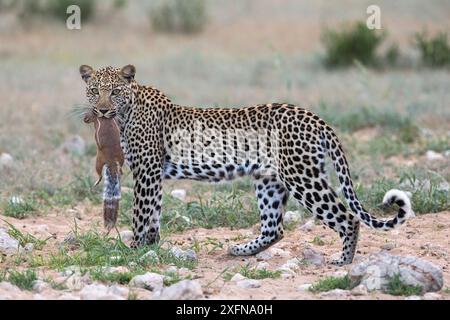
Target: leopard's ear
86, 72
128, 72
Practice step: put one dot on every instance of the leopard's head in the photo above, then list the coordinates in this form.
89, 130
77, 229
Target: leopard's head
108, 89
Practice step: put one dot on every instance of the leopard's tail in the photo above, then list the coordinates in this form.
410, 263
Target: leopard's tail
334, 150
111, 197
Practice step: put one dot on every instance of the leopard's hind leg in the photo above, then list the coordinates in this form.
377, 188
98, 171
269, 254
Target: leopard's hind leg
272, 196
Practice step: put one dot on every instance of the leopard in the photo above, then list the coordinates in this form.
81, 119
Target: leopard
282, 147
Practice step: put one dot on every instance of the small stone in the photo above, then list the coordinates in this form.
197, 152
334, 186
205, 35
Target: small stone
264, 255
179, 194
42, 229
304, 287
308, 226
249, 283
184, 272
6, 161
99, 292
8, 245
335, 293
313, 257
413, 298
40, 286
292, 217
184, 254
339, 274
262, 265
74, 145
280, 252
172, 269
388, 246
237, 277
29, 247
360, 290
126, 235
287, 275
432, 296
150, 255
119, 291
290, 265
433, 156
183, 290
68, 296
149, 281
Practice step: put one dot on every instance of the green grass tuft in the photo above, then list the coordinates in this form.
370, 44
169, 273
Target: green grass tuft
252, 273
331, 283
396, 287
19, 209
24, 280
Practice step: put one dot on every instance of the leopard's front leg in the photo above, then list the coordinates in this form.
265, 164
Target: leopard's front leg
147, 205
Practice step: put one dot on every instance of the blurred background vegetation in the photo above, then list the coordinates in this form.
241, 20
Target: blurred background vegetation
386, 91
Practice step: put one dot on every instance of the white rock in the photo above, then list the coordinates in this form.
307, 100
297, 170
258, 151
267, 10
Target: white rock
183, 290
8, 245
433, 156
249, 283
42, 228
179, 194
308, 226
150, 281
77, 281
126, 235
150, 255
339, 274
184, 254
313, 257
68, 296
237, 277
287, 275
360, 290
29, 247
75, 145
70, 270
388, 246
290, 265
40, 286
335, 293
262, 265
99, 292
184, 271
264, 255
413, 298
377, 270
6, 161
432, 296
280, 252
118, 269
119, 291
172, 269
292, 217
304, 287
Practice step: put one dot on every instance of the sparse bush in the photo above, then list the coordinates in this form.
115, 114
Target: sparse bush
252, 273
397, 288
179, 16
20, 208
355, 42
331, 283
23, 280
392, 55
435, 51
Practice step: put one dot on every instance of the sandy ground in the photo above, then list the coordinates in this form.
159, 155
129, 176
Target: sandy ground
425, 236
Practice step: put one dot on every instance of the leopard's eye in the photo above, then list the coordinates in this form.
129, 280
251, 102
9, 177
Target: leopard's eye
94, 90
115, 92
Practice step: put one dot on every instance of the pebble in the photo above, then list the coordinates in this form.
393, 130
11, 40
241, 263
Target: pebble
183, 290
304, 287
237, 277
307, 227
249, 283
149, 281
178, 194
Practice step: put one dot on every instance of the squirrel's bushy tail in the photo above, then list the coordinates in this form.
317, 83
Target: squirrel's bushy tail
111, 197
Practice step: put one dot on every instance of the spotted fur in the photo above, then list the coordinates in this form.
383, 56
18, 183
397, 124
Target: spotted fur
162, 140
